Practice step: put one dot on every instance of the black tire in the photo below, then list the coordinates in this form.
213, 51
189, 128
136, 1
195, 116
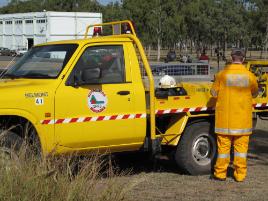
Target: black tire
10, 140
13, 143
196, 150
10, 145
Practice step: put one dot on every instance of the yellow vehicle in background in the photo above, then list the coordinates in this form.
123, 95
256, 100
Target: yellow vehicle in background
89, 94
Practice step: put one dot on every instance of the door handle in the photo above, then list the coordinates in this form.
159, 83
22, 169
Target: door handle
123, 93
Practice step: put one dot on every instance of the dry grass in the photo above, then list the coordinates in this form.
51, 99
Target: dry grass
24, 177
92, 178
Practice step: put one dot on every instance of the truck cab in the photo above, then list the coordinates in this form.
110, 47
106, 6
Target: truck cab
74, 91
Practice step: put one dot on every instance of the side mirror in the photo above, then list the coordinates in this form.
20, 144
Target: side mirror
90, 76
85, 77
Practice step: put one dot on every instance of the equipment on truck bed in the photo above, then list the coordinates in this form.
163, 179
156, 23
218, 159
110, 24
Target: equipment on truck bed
169, 87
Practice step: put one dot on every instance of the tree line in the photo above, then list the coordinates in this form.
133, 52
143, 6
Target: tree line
182, 24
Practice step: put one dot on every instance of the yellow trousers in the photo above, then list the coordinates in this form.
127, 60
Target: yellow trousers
240, 144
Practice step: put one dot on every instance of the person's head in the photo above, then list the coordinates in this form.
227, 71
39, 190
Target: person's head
238, 55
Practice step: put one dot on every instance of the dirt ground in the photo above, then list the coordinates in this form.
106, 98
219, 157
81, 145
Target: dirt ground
167, 183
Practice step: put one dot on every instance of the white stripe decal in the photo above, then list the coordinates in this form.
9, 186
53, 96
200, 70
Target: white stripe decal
179, 110
97, 118
132, 116
204, 108
223, 155
52, 121
66, 121
143, 116
198, 109
167, 111
192, 109
241, 155
94, 118
107, 118
81, 119
119, 116
232, 131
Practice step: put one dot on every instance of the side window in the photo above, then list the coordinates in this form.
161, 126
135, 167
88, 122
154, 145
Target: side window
106, 61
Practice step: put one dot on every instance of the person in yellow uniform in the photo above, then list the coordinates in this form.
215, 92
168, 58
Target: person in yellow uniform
234, 88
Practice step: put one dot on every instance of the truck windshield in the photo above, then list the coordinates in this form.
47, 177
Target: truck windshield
42, 62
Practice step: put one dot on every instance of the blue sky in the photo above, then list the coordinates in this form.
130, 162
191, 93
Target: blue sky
4, 2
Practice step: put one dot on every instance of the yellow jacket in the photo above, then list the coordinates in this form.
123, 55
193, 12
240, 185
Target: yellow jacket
234, 87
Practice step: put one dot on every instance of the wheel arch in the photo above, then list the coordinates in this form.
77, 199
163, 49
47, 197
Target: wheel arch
180, 124
20, 122
208, 119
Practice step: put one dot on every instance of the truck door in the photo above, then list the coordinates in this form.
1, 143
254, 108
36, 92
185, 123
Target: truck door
101, 113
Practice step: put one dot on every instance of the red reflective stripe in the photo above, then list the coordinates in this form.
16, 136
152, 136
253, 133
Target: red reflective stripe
160, 111
59, 121
46, 122
100, 118
173, 111
125, 116
73, 120
198, 109
138, 115
113, 117
186, 109
87, 119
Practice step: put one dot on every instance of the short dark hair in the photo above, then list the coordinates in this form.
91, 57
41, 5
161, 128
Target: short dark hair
237, 54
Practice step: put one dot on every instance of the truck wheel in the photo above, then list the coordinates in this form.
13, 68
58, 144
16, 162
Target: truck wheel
10, 145
197, 149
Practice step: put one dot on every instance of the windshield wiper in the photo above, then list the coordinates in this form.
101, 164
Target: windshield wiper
36, 75
12, 76
29, 75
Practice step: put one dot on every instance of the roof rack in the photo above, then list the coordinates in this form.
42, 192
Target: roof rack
117, 27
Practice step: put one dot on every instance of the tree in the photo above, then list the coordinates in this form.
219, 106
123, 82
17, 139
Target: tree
167, 23
21, 6
157, 21
113, 12
262, 21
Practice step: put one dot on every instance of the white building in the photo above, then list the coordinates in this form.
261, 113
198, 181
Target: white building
23, 30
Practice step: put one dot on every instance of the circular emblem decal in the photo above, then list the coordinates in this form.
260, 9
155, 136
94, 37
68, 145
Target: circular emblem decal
97, 100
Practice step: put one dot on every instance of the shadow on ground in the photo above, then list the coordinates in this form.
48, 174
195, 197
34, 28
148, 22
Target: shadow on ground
258, 148
138, 162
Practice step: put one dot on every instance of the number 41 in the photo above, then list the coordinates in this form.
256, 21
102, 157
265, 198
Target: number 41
39, 101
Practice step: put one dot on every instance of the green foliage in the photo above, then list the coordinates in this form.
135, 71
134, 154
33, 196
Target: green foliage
168, 23
22, 6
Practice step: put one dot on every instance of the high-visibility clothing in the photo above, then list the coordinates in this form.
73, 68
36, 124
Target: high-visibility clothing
240, 144
233, 88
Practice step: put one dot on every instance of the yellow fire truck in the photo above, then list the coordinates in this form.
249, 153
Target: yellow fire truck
89, 94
